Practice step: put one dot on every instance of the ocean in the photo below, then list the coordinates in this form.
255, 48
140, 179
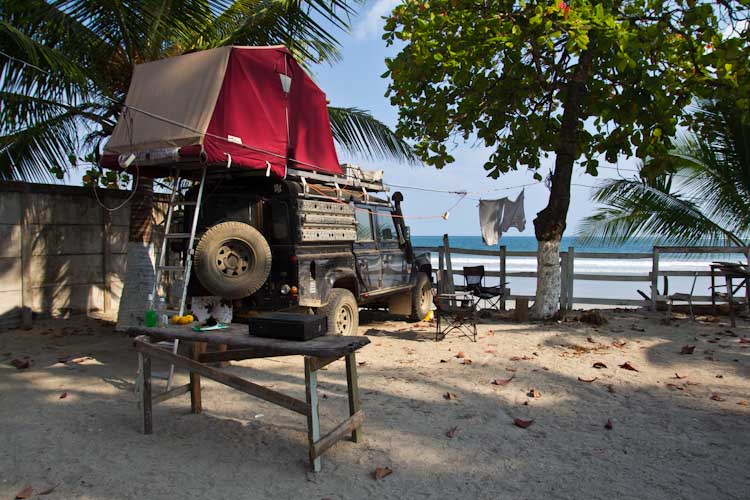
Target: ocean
597, 266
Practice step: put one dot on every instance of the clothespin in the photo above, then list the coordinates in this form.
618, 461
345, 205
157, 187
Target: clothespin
304, 185
229, 160
338, 190
268, 168
286, 169
365, 196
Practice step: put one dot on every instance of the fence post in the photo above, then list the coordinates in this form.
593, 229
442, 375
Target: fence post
450, 288
563, 282
571, 278
654, 278
502, 276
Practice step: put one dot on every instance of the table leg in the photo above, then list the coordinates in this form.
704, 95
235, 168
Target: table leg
196, 405
313, 419
730, 292
145, 384
352, 386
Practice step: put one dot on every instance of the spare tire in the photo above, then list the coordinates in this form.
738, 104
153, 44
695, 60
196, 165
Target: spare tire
232, 260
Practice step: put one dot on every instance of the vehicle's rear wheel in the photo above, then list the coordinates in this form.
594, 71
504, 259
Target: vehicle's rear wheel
421, 298
342, 312
232, 260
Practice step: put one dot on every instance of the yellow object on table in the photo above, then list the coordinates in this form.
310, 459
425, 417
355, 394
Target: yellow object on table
182, 320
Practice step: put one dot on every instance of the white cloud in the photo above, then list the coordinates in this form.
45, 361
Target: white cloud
372, 22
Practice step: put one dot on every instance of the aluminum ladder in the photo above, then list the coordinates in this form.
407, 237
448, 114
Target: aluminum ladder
176, 199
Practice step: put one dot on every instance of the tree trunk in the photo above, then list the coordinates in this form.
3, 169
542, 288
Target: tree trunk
139, 271
549, 224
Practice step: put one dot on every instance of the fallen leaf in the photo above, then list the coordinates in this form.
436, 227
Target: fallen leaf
675, 387
744, 341
589, 380
79, 360
591, 340
450, 395
533, 393
599, 365
610, 388
362, 363
502, 381
716, 397
467, 361
443, 360
460, 354
687, 349
608, 425
63, 395
637, 329
20, 365
452, 432
619, 343
679, 377
743, 402
719, 376
523, 424
25, 492
627, 366
691, 383
48, 490
515, 358
381, 472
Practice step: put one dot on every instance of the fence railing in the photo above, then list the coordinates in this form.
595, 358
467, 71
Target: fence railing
569, 276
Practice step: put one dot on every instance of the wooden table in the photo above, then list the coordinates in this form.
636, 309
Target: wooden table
317, 353
730, 271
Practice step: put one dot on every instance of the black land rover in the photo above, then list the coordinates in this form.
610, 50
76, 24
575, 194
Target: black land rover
275, 245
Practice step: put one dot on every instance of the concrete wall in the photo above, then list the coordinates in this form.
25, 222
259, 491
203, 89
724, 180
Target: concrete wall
61, 253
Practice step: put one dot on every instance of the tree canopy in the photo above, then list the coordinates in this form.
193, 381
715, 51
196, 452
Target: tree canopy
500, 70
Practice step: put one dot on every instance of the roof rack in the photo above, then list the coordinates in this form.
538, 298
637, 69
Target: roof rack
354, 177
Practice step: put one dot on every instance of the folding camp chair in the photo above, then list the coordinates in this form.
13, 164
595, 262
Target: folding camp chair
683, 297
454, 312
474, 280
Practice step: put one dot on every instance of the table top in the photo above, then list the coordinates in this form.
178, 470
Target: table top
236, 336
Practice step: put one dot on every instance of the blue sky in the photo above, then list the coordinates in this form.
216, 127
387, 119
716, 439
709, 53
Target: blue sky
356, 82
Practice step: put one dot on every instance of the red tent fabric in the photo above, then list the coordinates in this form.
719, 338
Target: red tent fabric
249, 119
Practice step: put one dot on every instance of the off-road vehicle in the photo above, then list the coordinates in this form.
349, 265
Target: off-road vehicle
325, 245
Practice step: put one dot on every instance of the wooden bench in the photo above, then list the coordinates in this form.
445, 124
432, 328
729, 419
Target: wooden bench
317, 353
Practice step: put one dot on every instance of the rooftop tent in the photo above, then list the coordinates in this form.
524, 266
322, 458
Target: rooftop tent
252, 106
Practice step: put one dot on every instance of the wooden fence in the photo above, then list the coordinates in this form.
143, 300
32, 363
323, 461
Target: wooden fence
569, 276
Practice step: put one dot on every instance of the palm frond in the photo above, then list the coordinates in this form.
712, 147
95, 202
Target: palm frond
360, 134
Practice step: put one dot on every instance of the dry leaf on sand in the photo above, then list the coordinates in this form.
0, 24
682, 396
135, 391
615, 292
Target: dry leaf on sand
503, 381
533, 393
609, 425
588, 381
450, 395
627, 366
25, 492
716, 397
381, 472
523, 424
599, 365
687, 349
452, 432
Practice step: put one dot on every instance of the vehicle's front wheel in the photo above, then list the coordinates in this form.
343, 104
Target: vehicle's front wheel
342, 312
421, 298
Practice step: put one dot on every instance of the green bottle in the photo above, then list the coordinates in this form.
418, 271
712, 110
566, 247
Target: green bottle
150, 313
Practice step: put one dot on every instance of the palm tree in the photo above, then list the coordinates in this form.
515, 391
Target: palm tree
86, 49
65, 106
698, 193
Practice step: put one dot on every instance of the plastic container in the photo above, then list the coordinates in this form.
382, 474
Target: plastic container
162, 318
150, 319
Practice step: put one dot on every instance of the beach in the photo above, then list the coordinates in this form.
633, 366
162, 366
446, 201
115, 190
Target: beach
434, 417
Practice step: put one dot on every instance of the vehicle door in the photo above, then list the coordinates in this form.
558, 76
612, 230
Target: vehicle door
366, 253
394, 261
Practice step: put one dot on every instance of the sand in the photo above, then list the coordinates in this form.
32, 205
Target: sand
668, 439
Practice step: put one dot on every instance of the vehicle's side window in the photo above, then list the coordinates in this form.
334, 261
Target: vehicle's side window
364, 224
386, 226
